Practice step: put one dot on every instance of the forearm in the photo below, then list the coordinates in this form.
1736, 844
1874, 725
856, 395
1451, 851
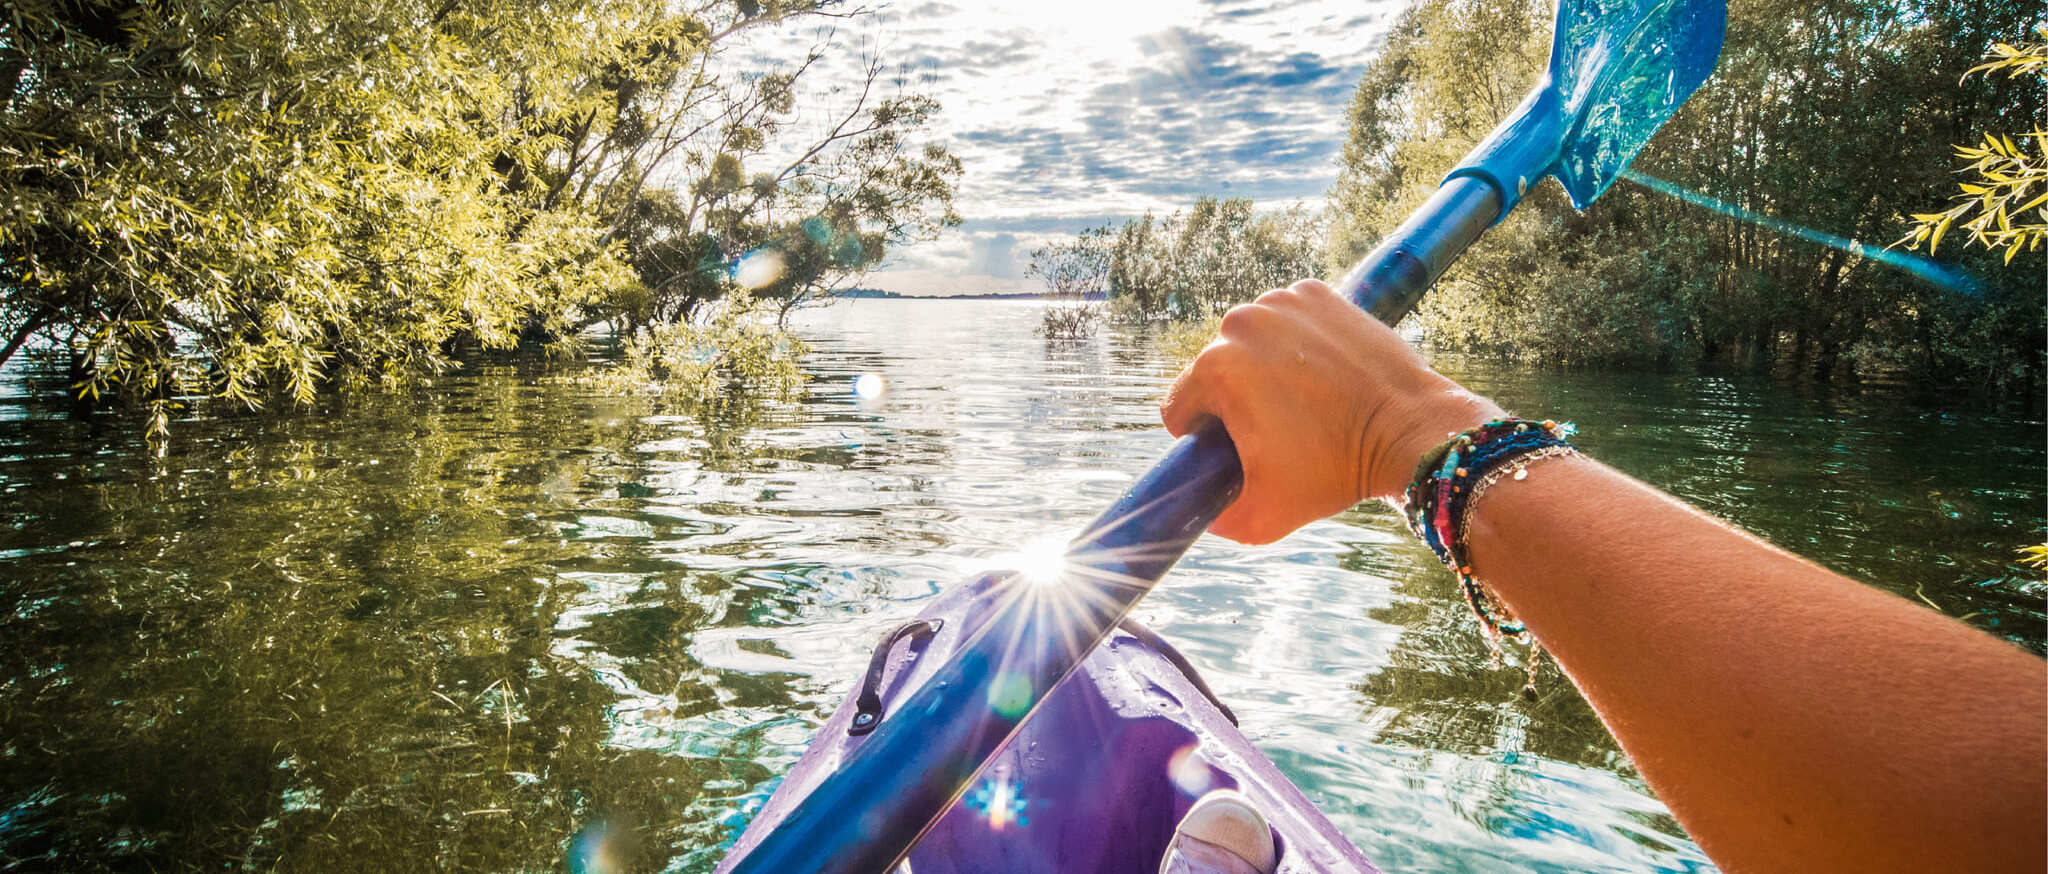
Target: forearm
1793, 719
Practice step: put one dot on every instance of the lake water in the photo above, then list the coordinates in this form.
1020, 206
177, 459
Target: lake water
444, 630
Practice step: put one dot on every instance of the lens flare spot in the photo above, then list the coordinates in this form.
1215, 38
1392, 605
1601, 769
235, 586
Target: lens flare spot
1945, 275
1001, 800
870, 387
758, 269
817, 230
1010, 694
1189, 771
597, 850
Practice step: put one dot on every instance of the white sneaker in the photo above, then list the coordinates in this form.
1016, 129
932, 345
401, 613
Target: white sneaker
1222, 834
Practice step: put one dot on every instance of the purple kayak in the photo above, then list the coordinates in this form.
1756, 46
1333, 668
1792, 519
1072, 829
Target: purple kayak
1092, 783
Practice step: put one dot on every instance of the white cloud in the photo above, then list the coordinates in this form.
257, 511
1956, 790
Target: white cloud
1070, 113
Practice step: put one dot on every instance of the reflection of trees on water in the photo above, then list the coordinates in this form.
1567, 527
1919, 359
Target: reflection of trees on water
444, 630
1133, 348
1832, 478
1441, 666
1082, 390
1439, 692
1894, 488
336, 641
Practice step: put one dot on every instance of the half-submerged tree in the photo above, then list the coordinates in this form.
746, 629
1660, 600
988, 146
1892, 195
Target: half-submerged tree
1073, 267
1217, 254
823, 202
256, 200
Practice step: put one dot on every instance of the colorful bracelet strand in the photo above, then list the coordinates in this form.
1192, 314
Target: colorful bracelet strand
1448, 481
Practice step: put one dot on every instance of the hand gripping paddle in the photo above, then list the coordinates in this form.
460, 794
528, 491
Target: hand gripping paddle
1618, 70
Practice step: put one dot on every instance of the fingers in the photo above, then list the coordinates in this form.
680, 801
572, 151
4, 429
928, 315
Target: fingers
1202, 394
1185, 408
1211, 378
1201, 390
1250, 523
1268, 357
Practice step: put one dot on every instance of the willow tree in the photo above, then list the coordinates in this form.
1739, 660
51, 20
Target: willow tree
253, 200
2004, 205
695, 166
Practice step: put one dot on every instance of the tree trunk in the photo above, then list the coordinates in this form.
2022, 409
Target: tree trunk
28, 329
1824, 363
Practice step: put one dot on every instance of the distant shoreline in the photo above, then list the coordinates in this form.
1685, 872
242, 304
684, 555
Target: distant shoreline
878, 294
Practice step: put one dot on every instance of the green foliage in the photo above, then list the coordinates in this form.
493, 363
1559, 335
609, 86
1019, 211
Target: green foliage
1073, 267
1181, 341
1218, 254
827, 199
211, 197
1125, 310
2034, 555
731, 352
1825, 113
262, 184
2009, 194
1069, 321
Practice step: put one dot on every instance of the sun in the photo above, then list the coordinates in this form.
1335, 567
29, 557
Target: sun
1081, 33
1091, 30
1041, 561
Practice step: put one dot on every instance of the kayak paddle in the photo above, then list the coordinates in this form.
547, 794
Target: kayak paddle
1618, 70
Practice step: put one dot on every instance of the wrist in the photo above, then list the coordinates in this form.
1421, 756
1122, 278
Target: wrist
1395, 440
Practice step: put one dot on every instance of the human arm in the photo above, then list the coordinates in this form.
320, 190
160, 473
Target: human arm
1793, 719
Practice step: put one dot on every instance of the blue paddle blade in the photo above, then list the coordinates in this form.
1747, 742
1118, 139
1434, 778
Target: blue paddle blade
1621, 69
1618, 70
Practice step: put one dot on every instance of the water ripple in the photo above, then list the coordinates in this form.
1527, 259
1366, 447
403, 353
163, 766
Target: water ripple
449, 628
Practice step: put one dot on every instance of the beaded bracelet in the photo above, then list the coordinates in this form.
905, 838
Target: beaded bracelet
1447, 484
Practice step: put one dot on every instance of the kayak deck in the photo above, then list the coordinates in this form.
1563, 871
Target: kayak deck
1094, 781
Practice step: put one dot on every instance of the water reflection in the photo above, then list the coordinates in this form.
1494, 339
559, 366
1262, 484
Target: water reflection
451, 629
333, 639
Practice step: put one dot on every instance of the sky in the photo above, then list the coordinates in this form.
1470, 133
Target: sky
1069, 114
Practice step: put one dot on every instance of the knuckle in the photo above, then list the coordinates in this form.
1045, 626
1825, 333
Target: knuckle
1242, 319
1312, 288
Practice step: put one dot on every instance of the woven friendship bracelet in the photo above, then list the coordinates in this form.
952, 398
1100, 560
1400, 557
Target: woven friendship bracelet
1447, 484
1515, 469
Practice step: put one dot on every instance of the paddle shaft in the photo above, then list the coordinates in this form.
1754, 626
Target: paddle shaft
866, 815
